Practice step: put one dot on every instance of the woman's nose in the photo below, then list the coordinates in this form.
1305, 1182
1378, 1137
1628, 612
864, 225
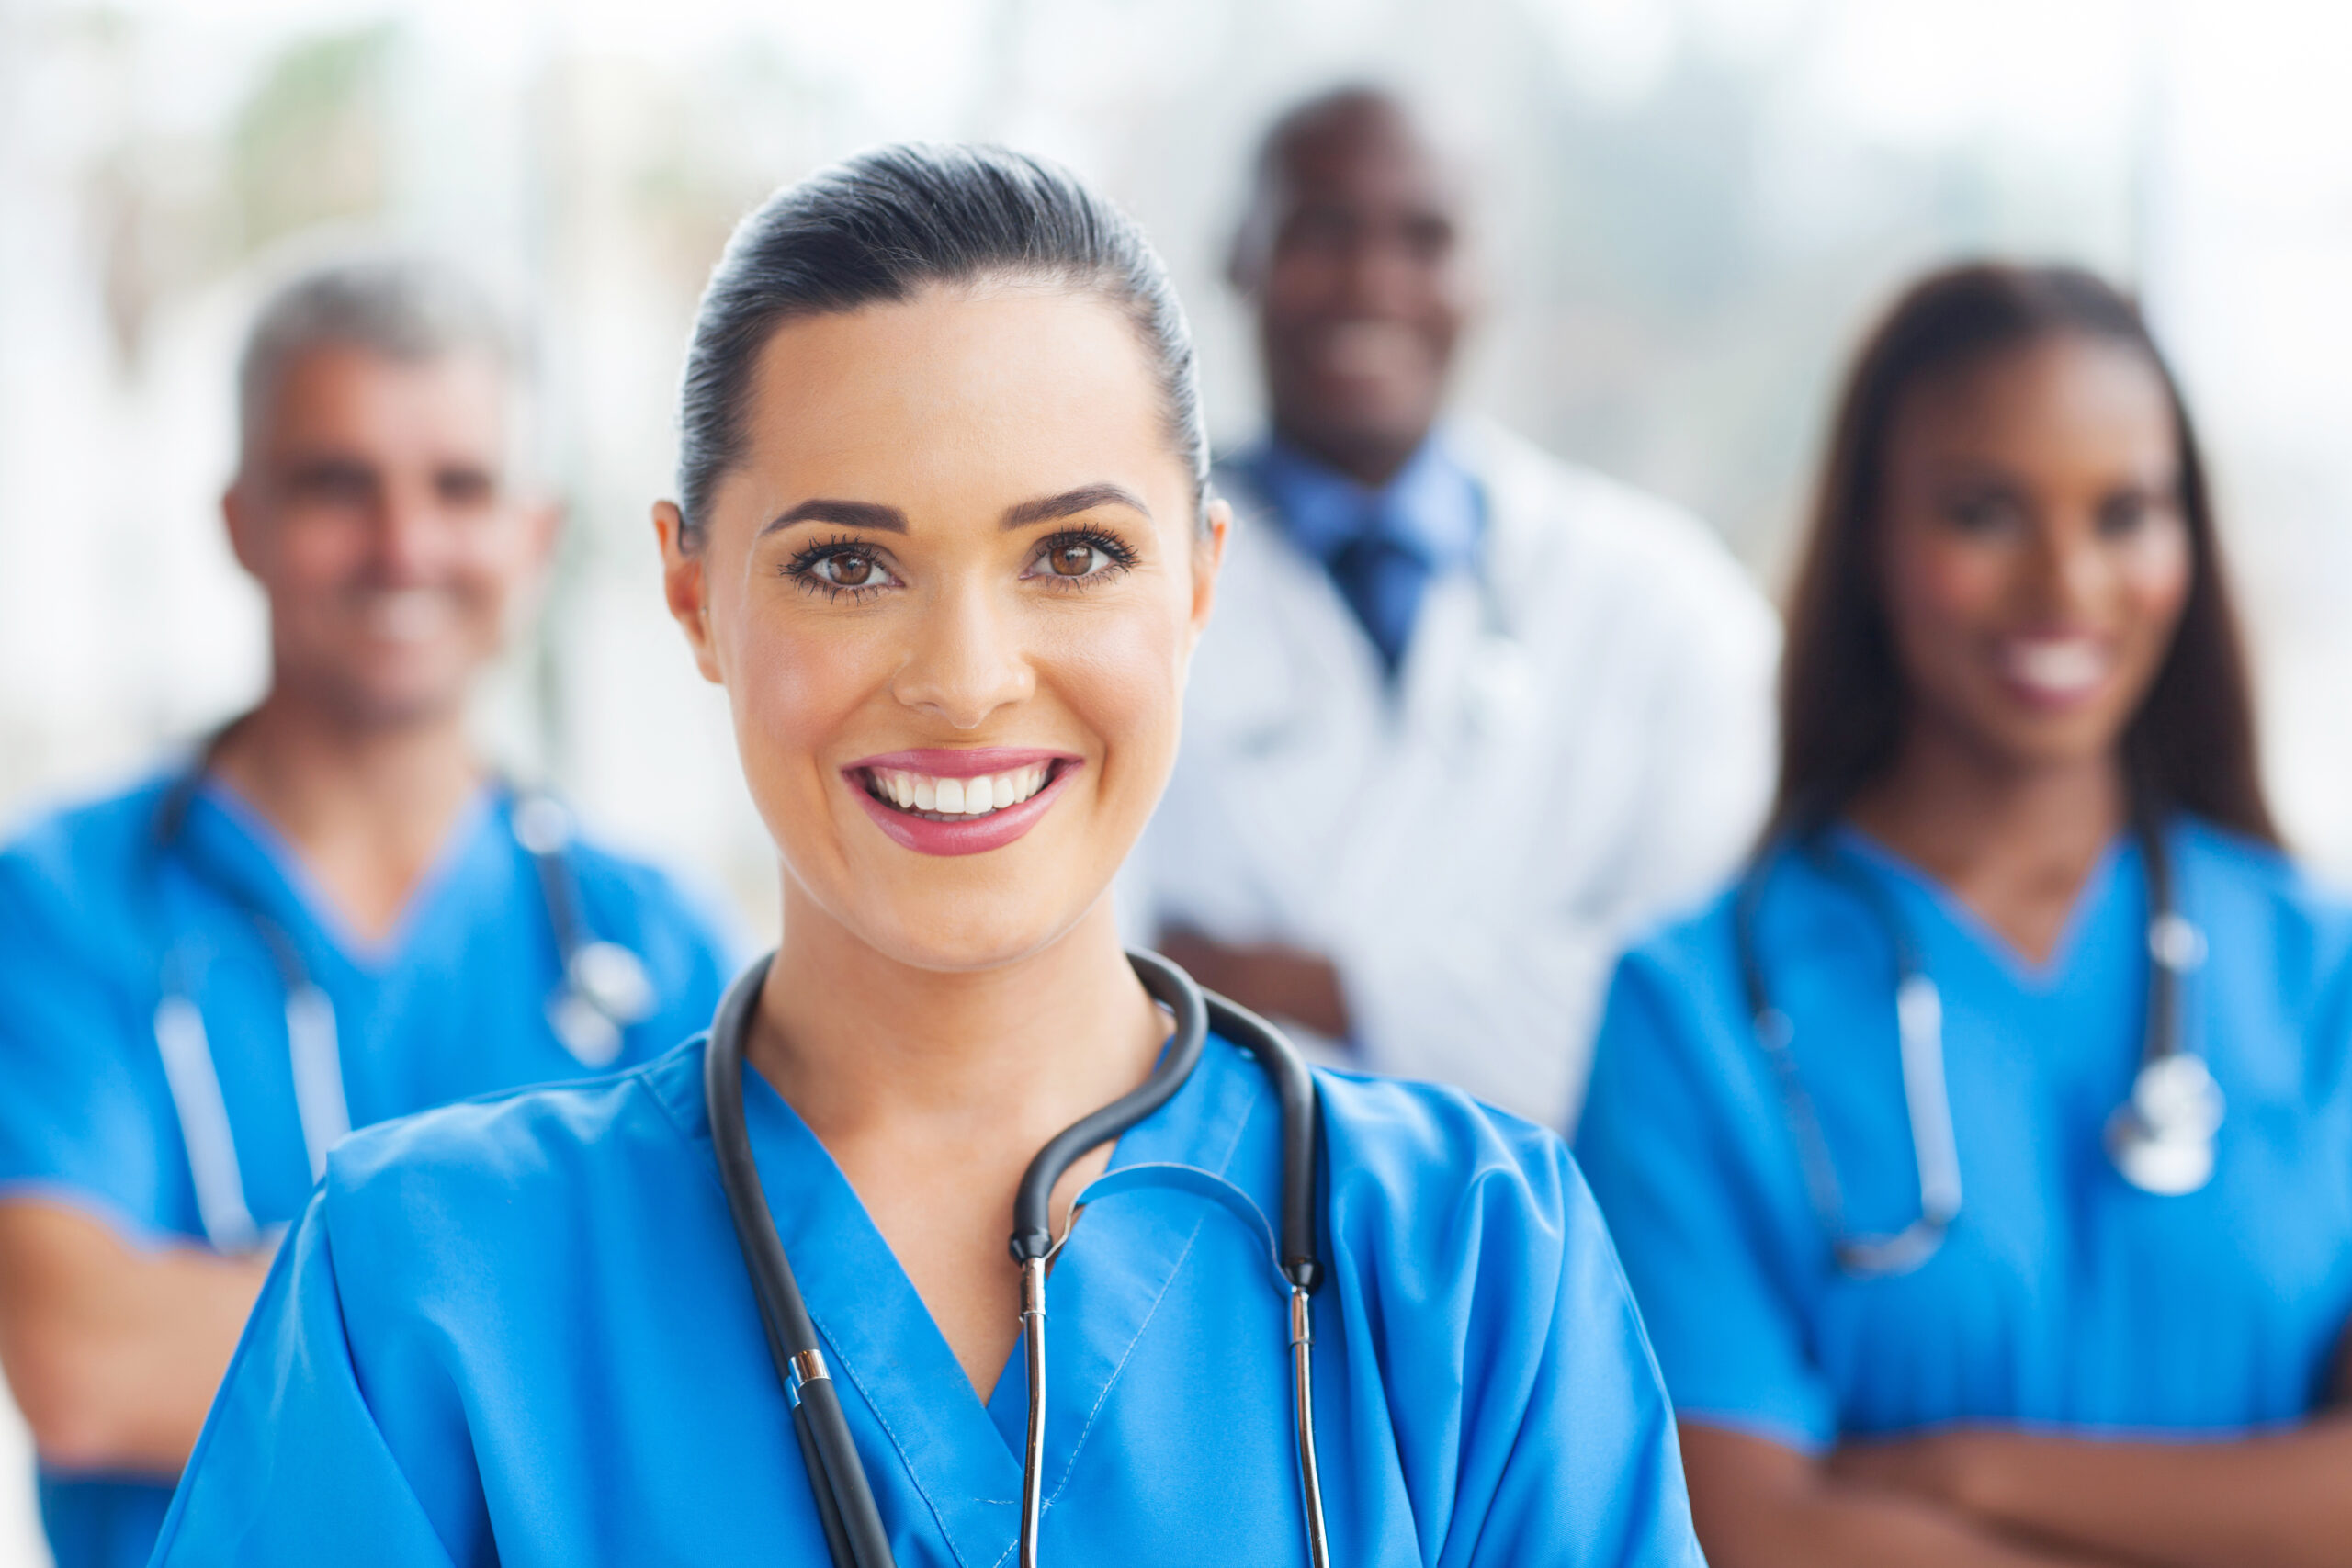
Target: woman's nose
2072, 569
967, 660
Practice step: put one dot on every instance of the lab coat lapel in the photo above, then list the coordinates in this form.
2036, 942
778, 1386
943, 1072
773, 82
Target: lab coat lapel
1300, 711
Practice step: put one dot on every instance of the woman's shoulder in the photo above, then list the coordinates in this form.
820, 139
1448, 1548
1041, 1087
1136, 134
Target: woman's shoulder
480, 1165
2232, 879
1410, 1162
2252, 866
67, 849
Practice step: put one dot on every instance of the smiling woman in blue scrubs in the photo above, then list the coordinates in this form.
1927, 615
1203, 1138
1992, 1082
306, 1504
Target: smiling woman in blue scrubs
331, 914
944, 538
1952, 1280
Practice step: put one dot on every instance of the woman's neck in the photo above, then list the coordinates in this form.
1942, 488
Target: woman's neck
932, 1091
368, 809
2014, 841
854, 1037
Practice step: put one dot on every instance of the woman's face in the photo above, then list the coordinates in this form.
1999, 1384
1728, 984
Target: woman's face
2035, 554
952, 587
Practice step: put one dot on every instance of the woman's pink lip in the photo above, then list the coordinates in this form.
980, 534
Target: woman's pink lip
943, 762
973, 835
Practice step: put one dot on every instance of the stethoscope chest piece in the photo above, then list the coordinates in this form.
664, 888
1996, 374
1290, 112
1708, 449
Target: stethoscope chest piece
2162, 1138
605, 989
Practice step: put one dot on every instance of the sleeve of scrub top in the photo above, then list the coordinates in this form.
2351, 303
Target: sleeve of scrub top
293, 1395
1592, 1472
1527, 988
75, 1122
1671, 1141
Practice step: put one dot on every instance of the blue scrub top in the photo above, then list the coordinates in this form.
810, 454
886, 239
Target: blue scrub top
452, 1005
520, 1331
2062, 1297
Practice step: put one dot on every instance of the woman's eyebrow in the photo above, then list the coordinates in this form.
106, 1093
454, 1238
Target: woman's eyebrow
846, 514
1070, 504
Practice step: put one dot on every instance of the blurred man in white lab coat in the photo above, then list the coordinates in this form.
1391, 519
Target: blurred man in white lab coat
1468, 715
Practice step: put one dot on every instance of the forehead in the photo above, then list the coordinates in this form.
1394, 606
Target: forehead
352, 397
2067, 396
1008, 390
1366, 155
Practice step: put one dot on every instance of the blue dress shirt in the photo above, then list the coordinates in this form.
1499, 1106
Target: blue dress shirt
1382, 546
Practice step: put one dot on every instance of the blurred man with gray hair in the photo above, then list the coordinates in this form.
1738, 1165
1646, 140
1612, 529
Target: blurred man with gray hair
1468, 715
316, 918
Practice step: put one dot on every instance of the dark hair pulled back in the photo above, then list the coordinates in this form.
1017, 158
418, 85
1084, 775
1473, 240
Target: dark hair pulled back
2189, 747
880, 227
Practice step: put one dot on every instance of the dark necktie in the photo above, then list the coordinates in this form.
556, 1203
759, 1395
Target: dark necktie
1382, 582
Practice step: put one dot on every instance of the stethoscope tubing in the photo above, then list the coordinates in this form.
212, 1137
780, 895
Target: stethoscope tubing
313, 1045
855, 1537
845, 1506
2172, 941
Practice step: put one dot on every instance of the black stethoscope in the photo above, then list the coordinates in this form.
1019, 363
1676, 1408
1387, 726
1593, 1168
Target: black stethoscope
853, 1533
604, 990
2160, 1139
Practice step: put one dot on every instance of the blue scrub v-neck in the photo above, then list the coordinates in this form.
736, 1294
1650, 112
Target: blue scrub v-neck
2062, 1296
95, 910
1924, 894
519, 1332
266, 866
963, 1455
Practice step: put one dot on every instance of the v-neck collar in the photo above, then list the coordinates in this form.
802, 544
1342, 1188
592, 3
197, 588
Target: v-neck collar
961, 1457
2039, 977
276, 874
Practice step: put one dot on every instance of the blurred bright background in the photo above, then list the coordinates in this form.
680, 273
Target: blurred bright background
1691, 208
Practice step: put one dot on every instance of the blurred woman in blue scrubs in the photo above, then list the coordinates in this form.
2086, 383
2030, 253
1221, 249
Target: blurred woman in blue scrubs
945, 539
332, 914
1952, 1280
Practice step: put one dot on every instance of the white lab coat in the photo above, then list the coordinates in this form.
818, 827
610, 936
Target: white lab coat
1579, 742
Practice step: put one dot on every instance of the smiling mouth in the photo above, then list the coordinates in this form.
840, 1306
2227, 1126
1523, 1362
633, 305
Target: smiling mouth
2056, 669
936, 799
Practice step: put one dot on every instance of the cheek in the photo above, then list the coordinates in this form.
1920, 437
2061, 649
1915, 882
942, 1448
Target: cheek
1121, 677
1938, 584
2155, 573
316, 552
794, 686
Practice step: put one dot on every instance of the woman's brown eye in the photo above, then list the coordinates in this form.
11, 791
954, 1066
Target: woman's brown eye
849, 572
1073, 560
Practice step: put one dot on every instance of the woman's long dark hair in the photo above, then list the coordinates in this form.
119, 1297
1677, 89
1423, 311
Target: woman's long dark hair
2190, 747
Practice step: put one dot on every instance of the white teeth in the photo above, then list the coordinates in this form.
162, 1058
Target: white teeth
1370, 348
975, 797
406, 614
2061, 667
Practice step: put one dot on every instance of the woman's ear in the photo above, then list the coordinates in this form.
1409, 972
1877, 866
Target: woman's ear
1208, 559
687, 587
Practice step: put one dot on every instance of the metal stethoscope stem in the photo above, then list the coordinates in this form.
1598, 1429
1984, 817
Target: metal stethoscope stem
854, 1536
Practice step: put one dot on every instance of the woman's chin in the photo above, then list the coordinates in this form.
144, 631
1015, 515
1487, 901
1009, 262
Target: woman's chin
969, 935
